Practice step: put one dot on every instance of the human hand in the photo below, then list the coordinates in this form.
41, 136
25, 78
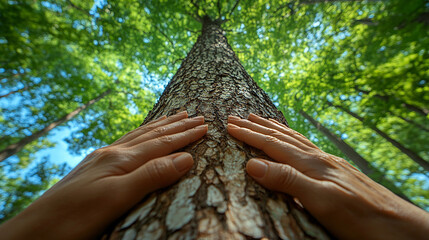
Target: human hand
109, 181
348, 203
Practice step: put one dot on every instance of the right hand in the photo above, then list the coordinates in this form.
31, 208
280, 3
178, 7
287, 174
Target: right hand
348, 203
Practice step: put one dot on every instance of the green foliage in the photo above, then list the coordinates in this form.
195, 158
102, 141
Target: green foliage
18, 190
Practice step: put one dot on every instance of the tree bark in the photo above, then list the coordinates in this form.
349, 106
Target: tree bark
355, 157
410, 153
16, 147
217, 199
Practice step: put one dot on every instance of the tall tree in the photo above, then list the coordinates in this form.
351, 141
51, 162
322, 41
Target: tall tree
419, 160
216, 200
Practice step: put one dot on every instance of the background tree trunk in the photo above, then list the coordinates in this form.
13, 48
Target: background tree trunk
410, 153
16, 147
217, 199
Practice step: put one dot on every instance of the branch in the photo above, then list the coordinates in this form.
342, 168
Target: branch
198, 8
288, 5
233, 8
179, 59
15, 91
192, 31
366, 21
165, 35
197, 17
332, 1
79, 8
218, 9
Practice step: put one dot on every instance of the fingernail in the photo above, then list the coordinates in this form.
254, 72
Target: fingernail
179, 113
232, 126
156, 120
183, 162
233, 117
257, 168
199, 118
163, 116
201, 127
252, 115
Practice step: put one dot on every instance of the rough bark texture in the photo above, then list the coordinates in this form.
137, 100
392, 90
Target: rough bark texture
217, 199
355, 157
16, 147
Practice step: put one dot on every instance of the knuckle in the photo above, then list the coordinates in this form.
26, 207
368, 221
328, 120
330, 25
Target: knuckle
156, 173
142, 129
276, 134
268, 140
287, 177
325, 159
166, 140
108, 153
160, 130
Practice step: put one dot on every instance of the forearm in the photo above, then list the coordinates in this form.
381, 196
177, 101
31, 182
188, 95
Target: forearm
409, 222
57, 216
35, 222
42, 220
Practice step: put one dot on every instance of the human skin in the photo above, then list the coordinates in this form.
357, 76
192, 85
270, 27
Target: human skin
109, 181
344, 200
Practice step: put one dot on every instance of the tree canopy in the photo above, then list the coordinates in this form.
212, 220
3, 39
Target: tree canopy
359, 67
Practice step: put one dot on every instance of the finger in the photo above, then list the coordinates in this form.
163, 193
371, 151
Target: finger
166, 144
283, 178
172, 128
157, 120
282, 128
288, 130
156, 174
148, 127
267, 131
273, 147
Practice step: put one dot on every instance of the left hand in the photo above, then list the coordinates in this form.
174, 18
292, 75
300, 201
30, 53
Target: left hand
109, 181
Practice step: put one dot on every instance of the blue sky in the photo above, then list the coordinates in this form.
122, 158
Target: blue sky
59, 153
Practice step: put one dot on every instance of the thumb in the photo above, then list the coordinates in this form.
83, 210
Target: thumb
280, 177
158, 173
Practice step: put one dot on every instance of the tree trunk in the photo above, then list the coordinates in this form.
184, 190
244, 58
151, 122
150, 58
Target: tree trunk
355, 157
414, 156
16, 147
217, 199
412, 122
